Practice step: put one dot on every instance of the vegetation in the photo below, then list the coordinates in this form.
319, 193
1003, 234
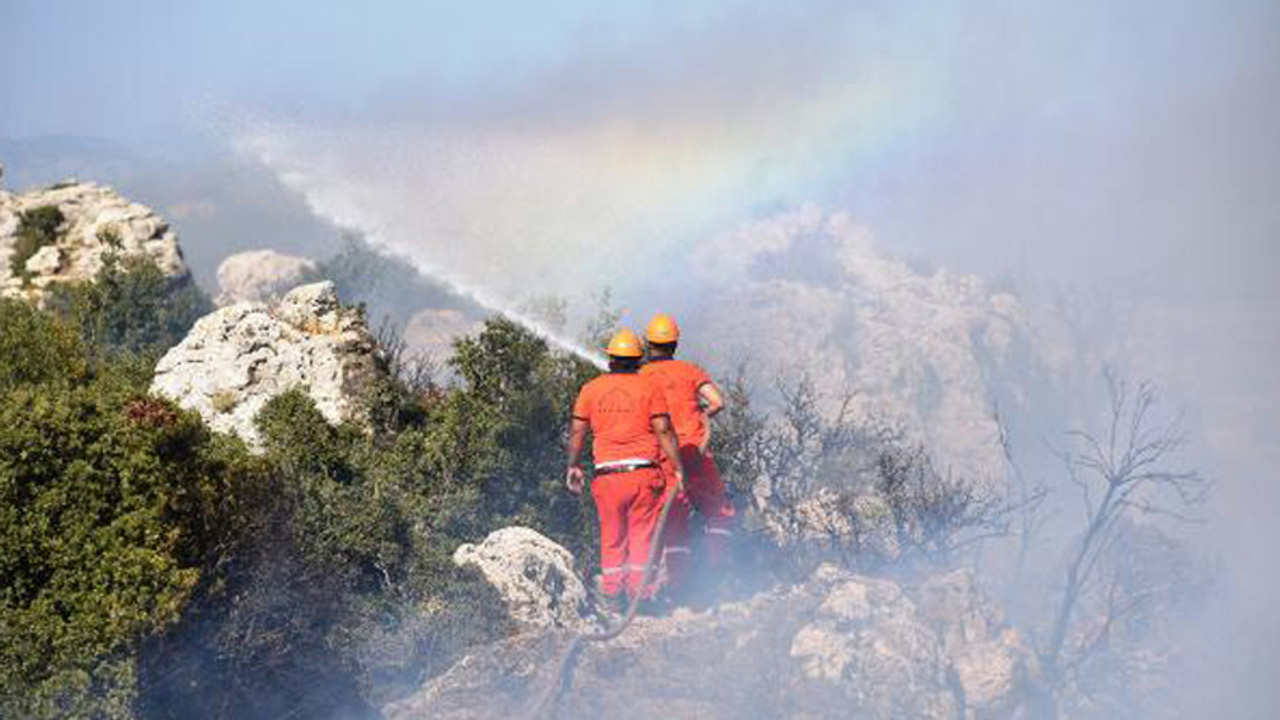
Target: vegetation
1122, 471
154, 569
110, 505
37, 228
131, 307
821, 486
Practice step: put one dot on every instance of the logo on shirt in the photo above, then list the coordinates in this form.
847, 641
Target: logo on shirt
617, 401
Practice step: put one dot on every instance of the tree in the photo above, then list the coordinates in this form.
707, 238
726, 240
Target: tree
131, 306
1120, 471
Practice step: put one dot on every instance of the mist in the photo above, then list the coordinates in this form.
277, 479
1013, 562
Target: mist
1121, 156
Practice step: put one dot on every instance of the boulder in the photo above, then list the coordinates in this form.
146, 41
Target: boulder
867, 641
237, 358
259, 275
992, 663
96, 221
535, 577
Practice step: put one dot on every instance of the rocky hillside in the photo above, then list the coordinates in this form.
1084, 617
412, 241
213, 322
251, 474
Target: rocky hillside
931, 351
837, 645
61, 234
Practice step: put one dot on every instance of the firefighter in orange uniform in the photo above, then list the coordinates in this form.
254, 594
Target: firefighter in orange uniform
693, 400
627, 414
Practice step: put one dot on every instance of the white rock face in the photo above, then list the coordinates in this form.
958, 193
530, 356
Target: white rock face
239, 357
838, 645
990, 659
258, 275
97, 220
927, 350
534, 575
867, 637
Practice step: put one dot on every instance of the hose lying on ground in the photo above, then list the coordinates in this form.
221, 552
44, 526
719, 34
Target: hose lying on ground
546, 701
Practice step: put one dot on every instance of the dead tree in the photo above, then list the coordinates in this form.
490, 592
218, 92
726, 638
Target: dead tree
1119, 471
1026, 504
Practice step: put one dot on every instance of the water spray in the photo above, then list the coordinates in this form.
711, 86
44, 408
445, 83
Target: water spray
488, 301
258, 146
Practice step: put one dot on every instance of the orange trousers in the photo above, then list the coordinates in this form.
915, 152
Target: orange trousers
628, 504
705, 493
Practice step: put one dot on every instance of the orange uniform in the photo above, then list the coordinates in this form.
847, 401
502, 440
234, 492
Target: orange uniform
681, 383
628, 489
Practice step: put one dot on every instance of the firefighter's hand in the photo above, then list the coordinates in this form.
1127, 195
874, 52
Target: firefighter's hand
573, 479
679, 482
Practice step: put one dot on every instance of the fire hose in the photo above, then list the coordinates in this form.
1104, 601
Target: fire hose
546, 701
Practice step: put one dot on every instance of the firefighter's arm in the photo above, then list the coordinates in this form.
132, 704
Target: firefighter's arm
712, 402
573, 476
710, 398
670, 445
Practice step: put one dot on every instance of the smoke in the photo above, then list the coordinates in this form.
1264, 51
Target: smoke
1122, 151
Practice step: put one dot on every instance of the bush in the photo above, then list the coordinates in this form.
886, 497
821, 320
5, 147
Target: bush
343, 592
825, 487
37, 228
36, 348
512, 415
110, 505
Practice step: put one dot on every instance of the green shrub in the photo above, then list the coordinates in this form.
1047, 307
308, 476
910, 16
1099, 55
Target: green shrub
343, 594
37, 228
510, 418
131, 306
36, 348
110, 505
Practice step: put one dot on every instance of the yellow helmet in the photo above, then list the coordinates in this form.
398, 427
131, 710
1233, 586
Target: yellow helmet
625, 344
663, 329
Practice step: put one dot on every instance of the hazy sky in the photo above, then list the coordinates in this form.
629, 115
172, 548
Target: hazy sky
126, 69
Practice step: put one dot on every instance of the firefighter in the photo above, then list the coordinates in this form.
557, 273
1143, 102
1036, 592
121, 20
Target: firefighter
693, 399
627, 415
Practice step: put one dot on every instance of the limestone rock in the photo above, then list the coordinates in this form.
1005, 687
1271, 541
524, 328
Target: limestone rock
258, 275
96, 221
534, 575
868, 639
991, 661
837, 645
237, 358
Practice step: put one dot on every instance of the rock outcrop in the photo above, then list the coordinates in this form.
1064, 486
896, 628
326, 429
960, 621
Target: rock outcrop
931, 351
239, 357
838, 645
534, 576
90, 222
259, 275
